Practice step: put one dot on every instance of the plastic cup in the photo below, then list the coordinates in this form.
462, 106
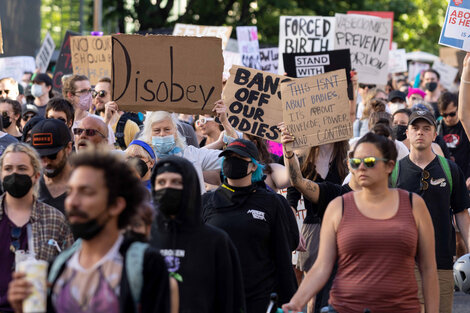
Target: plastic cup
36, 272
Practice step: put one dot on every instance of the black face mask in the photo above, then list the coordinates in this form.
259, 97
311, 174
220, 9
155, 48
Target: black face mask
235, 168
6, 122
168, 201
140, 165
87, 230
431, 86
17, 185
400, 132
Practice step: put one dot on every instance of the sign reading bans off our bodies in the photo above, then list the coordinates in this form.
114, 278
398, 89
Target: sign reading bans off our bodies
316, 109
171, 73
254, 101
91, 56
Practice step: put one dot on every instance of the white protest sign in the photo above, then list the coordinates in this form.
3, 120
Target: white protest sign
248, 46
45, 53
15, 66
304, 34
269, 59
397, 61
447, 74
230, 59
456, 29
414, 68
368, 39
222, 32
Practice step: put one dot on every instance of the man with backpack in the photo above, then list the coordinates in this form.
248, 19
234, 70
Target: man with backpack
441, 183
103, 271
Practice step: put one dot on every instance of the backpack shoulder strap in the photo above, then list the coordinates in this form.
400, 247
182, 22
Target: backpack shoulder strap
121, 124
394, 176
446, 167
60, 260
135, 270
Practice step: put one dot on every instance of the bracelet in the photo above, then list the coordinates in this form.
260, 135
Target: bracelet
292, 155
464, 81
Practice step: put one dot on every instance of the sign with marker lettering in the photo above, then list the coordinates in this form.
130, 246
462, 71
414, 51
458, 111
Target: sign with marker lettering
171, 73
253, 99
456, 29
368, 39
397, 61
303, 34
311, 64
222, 32
269, 59
64, 62
1, 38
248, 46
91, 56
45, 53
383, 14
316, 109
14, 67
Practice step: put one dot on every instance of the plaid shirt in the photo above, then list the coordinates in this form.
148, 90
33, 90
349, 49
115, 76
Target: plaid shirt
47, 223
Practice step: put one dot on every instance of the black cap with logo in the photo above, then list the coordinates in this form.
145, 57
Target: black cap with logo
424, 115
242, 147
50, 136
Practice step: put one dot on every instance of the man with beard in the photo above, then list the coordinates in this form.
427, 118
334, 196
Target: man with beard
53, 141
91, 131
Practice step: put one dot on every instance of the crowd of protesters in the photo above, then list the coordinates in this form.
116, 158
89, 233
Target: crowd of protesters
165, 212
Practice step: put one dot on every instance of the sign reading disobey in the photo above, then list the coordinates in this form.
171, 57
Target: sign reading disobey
316, 109
171, 73
91, 56
253, 99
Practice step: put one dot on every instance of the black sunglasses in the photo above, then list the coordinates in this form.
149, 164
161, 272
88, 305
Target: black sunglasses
101, 93
451, 114
88, 132
27, 117
366, 85
369, 162
50, 156
4, 91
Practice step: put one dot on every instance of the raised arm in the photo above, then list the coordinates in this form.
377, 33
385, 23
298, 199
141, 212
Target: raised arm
221, 111
308, 188
464, 95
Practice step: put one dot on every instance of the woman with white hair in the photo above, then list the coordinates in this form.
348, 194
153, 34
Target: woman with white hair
160, 130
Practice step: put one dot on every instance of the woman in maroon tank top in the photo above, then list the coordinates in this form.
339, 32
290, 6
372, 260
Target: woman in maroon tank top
375, 235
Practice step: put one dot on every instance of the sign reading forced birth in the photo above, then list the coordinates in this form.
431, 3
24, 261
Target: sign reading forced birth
253, 99
91, 56
171, 73
316, 109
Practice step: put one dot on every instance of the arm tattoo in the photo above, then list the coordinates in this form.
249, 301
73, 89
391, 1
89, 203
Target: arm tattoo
293, 173
311, 186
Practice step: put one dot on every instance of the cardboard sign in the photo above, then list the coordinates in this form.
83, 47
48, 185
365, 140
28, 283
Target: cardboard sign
222, 32
311, 64
383, 14
316, 109
304, 34
91, 56
63, 65
452, 57
1, 38
45, 53
254, 101
414, 68
368, 39
14, 67
447, 73
397, 61
269, 59
248, 46
176, 74
456, 29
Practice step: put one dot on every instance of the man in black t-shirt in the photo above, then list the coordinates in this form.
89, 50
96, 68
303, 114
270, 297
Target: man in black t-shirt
451, 129
423, 173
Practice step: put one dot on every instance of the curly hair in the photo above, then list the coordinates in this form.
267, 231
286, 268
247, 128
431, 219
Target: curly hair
119, 177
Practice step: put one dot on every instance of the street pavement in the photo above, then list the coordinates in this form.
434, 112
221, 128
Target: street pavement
461, 303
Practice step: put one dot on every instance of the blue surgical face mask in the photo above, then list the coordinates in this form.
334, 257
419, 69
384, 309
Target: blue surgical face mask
163, 145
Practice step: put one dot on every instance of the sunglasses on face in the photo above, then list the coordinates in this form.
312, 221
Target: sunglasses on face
51, 157
366, 86
369, 162
27, 117
203, 120
5, 91
101, 93
88, 132
451, 114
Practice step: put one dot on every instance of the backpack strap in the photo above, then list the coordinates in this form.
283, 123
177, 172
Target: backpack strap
121, 124
394, 176
445, 166
60, 260
135, 270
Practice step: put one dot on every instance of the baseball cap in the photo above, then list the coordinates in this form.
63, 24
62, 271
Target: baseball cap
242, 147
49, 136
29, 108
397, 94
422, 114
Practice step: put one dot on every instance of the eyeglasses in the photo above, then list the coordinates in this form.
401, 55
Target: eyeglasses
363, 86
424, 184
451, 114
27, 117
15, 239
85, 91
4, 91
369, 162
203, 120
101, 93
50, 156
88, 132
